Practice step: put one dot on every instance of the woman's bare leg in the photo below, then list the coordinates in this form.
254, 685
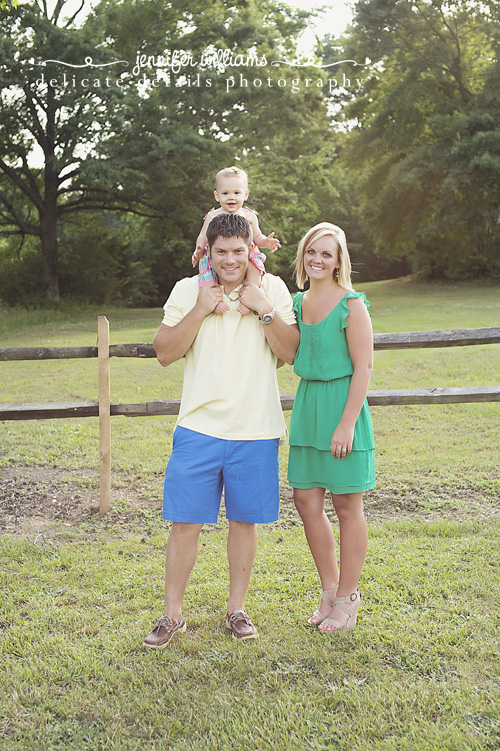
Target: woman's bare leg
353, 546
319, 534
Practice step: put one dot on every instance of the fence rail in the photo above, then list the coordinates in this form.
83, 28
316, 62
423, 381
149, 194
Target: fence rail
404, 340
171, 406
104, 409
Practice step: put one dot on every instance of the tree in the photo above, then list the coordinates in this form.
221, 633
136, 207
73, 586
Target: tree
144, 143
425, 134
278, 135
49, 136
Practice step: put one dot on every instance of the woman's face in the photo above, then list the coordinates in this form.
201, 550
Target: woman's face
322, 258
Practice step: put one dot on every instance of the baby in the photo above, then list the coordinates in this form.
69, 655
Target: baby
231, 191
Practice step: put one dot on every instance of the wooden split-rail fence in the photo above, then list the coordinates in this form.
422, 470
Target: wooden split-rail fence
105, 409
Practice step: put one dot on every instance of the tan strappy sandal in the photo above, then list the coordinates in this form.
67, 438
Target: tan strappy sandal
348, 605
328, 596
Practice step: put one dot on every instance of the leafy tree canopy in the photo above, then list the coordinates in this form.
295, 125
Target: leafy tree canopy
114, 129
425, 131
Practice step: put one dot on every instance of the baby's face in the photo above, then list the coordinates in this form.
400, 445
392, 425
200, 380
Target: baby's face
231, 193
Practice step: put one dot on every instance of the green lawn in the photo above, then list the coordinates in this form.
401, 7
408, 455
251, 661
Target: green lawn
414, 443
420, 672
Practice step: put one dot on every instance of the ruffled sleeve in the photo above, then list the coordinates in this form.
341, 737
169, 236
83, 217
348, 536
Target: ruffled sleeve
345, 312
297, 305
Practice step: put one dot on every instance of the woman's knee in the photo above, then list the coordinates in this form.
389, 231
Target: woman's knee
308, 502
348, 506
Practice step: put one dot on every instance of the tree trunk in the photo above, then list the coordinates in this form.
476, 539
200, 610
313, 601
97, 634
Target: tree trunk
49, 213
50, 253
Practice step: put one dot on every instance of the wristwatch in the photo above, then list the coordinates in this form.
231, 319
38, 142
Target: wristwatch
268, 317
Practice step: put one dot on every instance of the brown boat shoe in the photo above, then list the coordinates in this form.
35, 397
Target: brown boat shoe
241, 626
163, 632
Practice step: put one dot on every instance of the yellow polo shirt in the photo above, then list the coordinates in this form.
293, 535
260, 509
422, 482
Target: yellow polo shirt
230, 388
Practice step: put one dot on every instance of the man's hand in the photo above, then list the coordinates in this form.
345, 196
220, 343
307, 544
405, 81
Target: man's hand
208, 297
172, 342
254, 298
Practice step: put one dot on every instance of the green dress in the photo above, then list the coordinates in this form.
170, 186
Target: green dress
325, 367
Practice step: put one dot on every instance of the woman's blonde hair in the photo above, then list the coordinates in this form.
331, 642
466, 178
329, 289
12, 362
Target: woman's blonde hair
321, 230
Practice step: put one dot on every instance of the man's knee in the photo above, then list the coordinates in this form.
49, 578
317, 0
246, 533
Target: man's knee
185, 530
243, 528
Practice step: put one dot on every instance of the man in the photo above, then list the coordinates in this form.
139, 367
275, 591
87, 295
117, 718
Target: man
230, 419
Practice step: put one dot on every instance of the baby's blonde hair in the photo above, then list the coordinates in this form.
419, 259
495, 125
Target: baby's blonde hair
321, 230
231, 172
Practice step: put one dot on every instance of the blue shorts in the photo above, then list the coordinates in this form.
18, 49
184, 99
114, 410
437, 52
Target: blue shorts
200, 466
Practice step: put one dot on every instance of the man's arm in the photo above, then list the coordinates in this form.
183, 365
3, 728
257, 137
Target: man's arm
172, 342
283, 338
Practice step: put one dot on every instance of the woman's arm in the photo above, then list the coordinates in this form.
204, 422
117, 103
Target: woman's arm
359, 336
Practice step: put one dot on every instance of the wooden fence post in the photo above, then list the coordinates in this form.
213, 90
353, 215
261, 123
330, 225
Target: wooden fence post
104, 414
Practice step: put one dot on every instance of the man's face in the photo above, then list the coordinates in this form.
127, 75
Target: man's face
230, 261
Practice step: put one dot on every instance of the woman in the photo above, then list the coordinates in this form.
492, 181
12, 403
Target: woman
331, 434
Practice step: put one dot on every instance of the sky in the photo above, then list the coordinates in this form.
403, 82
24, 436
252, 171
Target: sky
337, 15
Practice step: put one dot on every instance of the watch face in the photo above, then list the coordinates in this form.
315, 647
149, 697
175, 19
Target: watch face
267, 317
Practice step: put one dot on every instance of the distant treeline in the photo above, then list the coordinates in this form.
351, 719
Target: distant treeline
113, 126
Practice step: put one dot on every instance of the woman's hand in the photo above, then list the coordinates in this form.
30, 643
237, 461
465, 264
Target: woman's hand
341, 444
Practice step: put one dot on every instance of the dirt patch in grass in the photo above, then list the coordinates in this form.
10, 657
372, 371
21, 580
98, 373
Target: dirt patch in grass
33, 499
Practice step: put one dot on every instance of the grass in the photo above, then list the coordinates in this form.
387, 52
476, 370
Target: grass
420, 672
412, 441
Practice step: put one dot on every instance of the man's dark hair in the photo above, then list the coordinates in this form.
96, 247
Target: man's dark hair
229, 225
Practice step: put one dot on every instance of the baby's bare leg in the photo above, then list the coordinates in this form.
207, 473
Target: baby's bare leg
221, 307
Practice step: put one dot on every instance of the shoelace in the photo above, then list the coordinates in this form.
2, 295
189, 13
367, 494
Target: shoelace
240, 615
165, 621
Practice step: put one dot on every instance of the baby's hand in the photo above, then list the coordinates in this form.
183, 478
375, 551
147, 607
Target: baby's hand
197, 255
272, 243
